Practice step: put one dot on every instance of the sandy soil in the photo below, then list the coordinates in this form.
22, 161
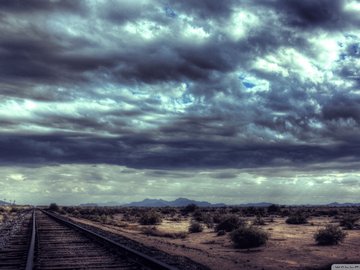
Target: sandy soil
289, 246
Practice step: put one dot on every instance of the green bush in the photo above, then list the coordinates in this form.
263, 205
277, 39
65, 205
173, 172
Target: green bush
229, 223
195, 227
248, 237
150, 218
330, 235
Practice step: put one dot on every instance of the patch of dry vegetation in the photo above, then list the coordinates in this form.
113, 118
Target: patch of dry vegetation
224, 230
249, 237
330, 235
153, 231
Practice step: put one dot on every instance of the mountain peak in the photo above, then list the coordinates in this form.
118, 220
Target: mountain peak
179, 202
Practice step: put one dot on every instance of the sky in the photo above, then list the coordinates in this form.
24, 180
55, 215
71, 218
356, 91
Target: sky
224, 101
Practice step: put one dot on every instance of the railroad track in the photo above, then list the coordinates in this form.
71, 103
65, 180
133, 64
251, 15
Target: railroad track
51, 242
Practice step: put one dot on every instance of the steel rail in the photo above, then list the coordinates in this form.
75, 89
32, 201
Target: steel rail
143, 259
31, 250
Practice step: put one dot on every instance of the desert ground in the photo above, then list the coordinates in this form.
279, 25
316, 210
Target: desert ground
289, 246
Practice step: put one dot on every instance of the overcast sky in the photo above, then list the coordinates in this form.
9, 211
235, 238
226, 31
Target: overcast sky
225, 101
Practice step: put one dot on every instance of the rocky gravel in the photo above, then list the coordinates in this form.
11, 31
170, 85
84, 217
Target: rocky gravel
11, 226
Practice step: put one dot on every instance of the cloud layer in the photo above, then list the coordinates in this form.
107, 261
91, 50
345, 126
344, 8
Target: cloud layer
76, 184
156, 84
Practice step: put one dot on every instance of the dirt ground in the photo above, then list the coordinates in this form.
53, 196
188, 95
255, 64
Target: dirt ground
289, 246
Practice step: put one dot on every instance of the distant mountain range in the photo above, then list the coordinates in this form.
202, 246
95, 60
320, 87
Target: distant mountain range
260, 204
176, 203
4, 203
89, 204
336, 204
180, 202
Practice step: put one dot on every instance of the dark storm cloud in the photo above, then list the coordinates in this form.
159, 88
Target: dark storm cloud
309, 14
138, 151
205, 9
40, 5
159, 84
120, 12
30, 58
179, 62
342, 106
166, 173
224, 175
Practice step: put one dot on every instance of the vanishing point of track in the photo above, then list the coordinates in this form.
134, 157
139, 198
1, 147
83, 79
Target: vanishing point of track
51, 242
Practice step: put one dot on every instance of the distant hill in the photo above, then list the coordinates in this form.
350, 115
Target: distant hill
4, 203
176, 203
336, 204
260, 204
89, 204
180, 202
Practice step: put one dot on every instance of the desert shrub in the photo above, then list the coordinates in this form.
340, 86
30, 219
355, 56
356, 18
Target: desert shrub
208, 221
274, 208
54, 207
14, 209
204, 217
349, 221
150, 218
333, 212
103, 218
259, 220
153, 231
198, 215
284, 212
248, 237
171, 211
195, 227
190, 208
330, 235
217, 217
235, 209
66, 209
260, 211
75, 213
129, 218
175, 219
250, 211
297, 218
229, 223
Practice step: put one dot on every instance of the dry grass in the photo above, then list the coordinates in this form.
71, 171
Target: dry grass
153, 231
